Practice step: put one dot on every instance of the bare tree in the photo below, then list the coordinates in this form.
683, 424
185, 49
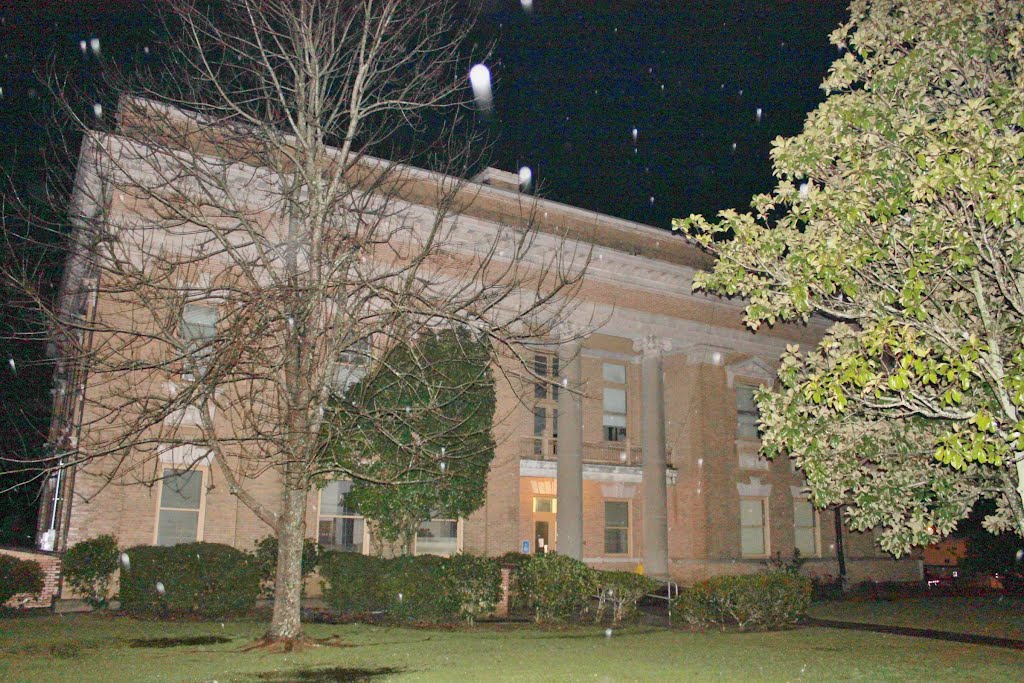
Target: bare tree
236, 246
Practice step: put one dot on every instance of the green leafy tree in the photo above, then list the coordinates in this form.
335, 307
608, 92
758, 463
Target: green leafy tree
899, 216
422, 420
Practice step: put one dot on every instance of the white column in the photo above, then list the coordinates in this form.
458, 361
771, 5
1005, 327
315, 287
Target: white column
569, 518
653, 444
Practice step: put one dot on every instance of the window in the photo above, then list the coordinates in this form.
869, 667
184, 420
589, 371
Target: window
545, 410
545, 504
198, 329
616, 527
340, 527
746, 412
351, 365
438, 537
805, 527
545, 385
614, 420
754, 527
181, 497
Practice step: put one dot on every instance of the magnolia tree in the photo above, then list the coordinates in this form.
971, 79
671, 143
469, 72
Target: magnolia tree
423, 419
899, 215
235, 249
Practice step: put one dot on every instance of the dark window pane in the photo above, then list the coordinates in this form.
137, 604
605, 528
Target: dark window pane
181, 490
540, 421
616, 541
616, 514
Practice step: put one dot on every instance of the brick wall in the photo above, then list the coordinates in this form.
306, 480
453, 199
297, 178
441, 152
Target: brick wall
50, 563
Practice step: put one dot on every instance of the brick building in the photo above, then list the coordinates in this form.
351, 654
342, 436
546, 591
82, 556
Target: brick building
656, 458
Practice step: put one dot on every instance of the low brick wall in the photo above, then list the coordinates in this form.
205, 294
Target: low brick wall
501, 610
50, 563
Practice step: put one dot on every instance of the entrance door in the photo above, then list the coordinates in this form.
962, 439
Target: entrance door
544, 527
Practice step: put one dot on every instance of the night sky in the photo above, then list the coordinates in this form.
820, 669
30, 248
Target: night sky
571, 82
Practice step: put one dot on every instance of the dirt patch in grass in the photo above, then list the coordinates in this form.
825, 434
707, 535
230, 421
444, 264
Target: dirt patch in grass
334, 674
178, 642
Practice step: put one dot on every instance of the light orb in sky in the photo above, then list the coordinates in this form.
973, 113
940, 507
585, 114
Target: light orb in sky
480, 79
525, 179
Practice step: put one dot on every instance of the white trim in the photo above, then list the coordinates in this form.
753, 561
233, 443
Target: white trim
186, 457
618, 356
613, 559
755, 489
749, 452
591, 472
755, 369
618, 490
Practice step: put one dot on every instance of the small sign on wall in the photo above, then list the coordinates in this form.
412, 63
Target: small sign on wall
526, 548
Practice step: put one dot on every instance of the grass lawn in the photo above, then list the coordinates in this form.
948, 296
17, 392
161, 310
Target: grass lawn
90, 648
1001, 616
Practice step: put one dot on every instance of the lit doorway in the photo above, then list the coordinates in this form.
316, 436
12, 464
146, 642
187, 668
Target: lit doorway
545, 529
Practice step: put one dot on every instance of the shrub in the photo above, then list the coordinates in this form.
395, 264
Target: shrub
473, 584
207, 579
425, 588
415, 590
619, 592
757, 601
89, 566
557, 587
352, 582
266, 562
19, 576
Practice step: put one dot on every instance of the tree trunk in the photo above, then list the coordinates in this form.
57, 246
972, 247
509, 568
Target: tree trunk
286, 623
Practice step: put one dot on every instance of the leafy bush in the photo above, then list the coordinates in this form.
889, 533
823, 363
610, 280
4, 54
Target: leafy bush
473, 584
557, 587
266, 562
426, 588
352, 582
207, 579
619, 592
19, 576
756, 601
415, 589
89, 566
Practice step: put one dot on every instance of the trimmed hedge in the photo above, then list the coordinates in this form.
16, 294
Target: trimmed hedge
89, 566
424, 588
207, 579
768, 600
265, 557
618, 593
557, 587
19, 576
474, 584
352, 582
414, 588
